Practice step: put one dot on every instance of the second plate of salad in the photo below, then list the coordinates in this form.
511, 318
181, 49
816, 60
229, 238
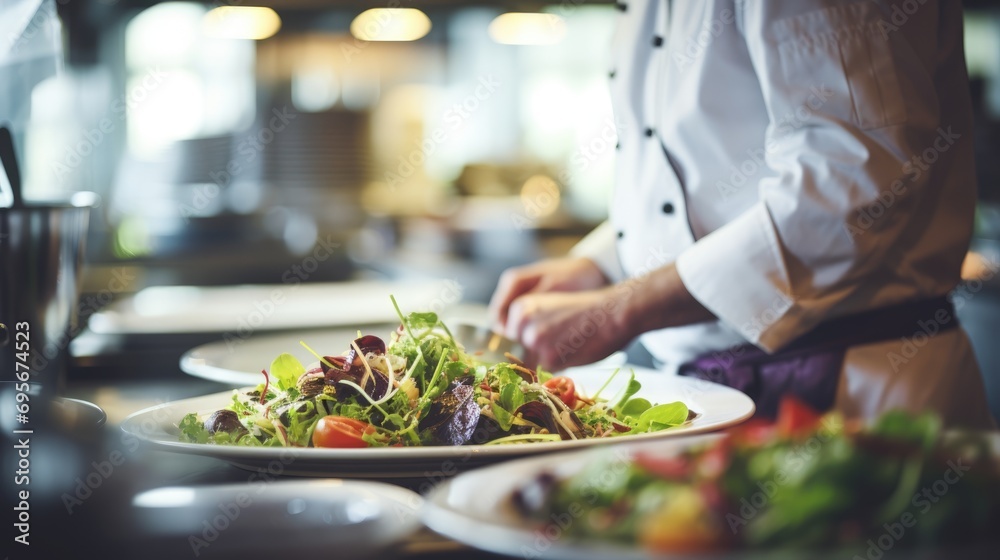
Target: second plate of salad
804, 487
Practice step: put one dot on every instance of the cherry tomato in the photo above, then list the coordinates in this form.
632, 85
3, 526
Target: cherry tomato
795, 417
339, 431
754, 433
564, 388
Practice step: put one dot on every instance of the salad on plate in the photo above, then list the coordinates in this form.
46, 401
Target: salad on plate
420, 388
803, 483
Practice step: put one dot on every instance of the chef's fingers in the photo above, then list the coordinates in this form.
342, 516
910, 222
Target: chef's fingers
531, 355
513, 283
530, 359
519, 315
529, 335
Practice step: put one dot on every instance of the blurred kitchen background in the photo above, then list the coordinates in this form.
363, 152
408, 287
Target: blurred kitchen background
420, 140
445, 139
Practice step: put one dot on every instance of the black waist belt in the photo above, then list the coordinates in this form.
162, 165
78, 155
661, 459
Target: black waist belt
903, 320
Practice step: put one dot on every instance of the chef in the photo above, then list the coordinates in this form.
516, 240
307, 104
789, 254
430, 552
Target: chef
794, 198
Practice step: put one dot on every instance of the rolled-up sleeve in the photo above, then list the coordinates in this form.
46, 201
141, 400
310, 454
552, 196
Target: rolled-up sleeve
839, 139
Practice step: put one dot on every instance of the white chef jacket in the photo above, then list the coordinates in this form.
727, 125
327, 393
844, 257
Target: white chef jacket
799, 160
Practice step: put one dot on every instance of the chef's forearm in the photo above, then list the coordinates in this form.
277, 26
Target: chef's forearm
658, 300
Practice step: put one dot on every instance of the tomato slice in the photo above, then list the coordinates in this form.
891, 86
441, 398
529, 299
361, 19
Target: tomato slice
795, 417
340, 431
564, 388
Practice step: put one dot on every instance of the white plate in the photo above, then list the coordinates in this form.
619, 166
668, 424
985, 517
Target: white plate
355, 518
238, 362
718, 407
475, 508
243, 310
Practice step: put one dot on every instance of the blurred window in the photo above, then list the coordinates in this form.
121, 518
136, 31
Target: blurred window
182, 81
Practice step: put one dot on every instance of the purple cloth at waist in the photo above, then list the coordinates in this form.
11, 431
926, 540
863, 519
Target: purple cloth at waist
809, 368
765, 378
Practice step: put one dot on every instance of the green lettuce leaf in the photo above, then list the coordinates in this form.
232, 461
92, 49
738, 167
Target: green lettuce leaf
301, 423
422, 321
635, 407
511, 396
663, 416
504, 418
631, 389
285, 371
193, 430
240, 406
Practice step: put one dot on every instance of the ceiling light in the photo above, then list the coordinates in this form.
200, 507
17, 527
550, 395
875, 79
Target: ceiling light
391, 24
241, 22
515, 28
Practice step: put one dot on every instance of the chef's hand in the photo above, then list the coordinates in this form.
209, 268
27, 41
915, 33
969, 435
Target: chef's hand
565, 329
554, 275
